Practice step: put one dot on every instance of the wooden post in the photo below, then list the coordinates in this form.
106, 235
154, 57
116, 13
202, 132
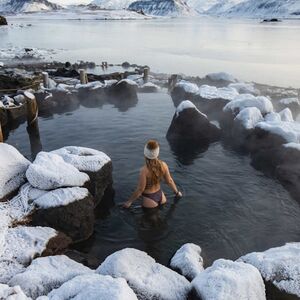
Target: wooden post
172, 81
83, 76
45, 80
32, 108
1, 133
146, 74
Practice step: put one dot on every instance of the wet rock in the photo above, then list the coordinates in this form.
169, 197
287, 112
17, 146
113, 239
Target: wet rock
188, 261
183, 90
148, 279
17, 80
92, 94
94, 287
190, 125
65, 72
64, 101
279, 266
13, 166
123, 90
93, 162
68, 210
227, 280
47, 273
149, 87
3, 21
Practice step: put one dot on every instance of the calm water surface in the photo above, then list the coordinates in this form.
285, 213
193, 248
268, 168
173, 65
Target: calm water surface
228, 207
260, 52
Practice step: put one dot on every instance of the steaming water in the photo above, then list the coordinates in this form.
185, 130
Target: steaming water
228, 207
265, 53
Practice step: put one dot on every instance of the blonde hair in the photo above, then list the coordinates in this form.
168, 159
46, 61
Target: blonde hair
154, 166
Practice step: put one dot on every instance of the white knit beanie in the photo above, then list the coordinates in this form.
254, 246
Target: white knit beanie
151, 154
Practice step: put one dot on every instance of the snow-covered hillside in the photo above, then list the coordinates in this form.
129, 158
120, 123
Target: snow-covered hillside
16, 6
162, 7
113, 4
222, 6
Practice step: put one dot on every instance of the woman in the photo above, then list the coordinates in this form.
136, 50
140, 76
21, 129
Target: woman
151, 174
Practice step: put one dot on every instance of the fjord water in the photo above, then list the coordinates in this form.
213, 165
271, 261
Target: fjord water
228, 208
250, 50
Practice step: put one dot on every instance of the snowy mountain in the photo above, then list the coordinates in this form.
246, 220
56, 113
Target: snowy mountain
17, 6
266, 8
162, 7
222, 6
202, 6
113, 4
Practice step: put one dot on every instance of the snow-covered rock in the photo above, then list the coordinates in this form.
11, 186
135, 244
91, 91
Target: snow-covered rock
148, 279
212, 92
13, 166
47, 273
187, 87
149, 87
188, 261
12, 293
93, 287
249, 117
273, 117
228, 280
292, 146
50, 171
28, 6
247, 100
221, 76
280, 266
288, 101
113, 4
286, 115
244, 88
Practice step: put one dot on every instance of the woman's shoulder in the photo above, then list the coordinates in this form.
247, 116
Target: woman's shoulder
164, 165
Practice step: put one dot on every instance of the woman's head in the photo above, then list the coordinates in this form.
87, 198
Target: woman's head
154, 165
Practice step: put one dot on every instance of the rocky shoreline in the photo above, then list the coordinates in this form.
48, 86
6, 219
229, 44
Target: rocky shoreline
48, 204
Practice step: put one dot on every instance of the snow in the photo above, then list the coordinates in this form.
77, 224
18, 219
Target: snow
244, 88
147, 278
128, 81
187, 86
20, 53
280, 265
212, 92
221, 76
84, 159
286, 115
247, 100
188, 260
290, 131
292, 145
47, 273
50, 171
90, 85
113, 4
273, 117
227, 280
249, 117
61, 197
12, 293
13, 166
93, 287
186, 104
287, 101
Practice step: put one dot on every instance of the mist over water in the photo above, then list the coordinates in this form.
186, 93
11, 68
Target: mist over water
250, 50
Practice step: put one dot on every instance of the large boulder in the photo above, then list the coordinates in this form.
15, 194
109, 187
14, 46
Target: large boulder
93, 162
183, 90
93, 287
13, 166
190, 125
47, 273
188, 261
148, 279
228, 280
69, 210
124, 89
3, 21
279, 266
92, 94
50, 171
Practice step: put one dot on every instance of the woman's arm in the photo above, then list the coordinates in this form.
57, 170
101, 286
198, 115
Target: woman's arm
139, 190
170, 182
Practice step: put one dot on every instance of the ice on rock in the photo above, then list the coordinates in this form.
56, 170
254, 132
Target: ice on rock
47, 273
247, 100
12, 293
244, 88
273, 117
93, 287
249, 117
221, 76
212, 92
50, 171
228, 280
84, 159
286, 115
13, 166
292, 145
188, 260
128, 81
148, 279
280, 265
187, 86
290, 131
61, 197
186, 104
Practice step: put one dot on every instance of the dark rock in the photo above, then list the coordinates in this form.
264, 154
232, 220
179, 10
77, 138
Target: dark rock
126, 65
57, 245
76, 219
64, 72
3, 117
123, 90
92, 97
68, 65
3, 21
272, 20
65, 101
